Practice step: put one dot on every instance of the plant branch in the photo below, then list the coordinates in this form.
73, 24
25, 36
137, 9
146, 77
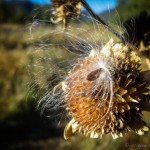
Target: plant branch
95, 16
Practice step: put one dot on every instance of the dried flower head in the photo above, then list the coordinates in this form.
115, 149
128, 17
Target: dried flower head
64, 10
104, 93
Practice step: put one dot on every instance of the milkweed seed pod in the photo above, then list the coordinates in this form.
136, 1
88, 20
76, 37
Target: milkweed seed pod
105, 92
64, 10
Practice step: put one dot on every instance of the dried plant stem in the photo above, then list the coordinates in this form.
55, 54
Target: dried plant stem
87, 7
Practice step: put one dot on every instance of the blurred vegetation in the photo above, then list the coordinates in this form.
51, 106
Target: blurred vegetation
14, 11
22, 12
131, 8
27, 69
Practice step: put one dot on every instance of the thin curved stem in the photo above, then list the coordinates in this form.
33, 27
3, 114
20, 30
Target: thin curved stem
95, 16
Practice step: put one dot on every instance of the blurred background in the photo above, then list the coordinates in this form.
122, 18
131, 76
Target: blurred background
27, 67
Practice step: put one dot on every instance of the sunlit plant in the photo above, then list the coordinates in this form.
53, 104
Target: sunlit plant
105, 90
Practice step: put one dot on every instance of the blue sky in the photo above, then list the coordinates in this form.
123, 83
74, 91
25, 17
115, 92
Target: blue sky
97, 5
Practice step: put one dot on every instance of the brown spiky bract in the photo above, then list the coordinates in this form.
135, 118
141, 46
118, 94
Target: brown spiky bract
91, 114
64, 10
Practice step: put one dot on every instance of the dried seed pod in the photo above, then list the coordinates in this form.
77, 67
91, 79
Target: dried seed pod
64, 10
105, 93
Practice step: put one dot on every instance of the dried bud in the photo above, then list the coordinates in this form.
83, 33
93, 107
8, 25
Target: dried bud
105, 93
64, 10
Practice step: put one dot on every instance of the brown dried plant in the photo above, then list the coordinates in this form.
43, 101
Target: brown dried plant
64, 10
106, 91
